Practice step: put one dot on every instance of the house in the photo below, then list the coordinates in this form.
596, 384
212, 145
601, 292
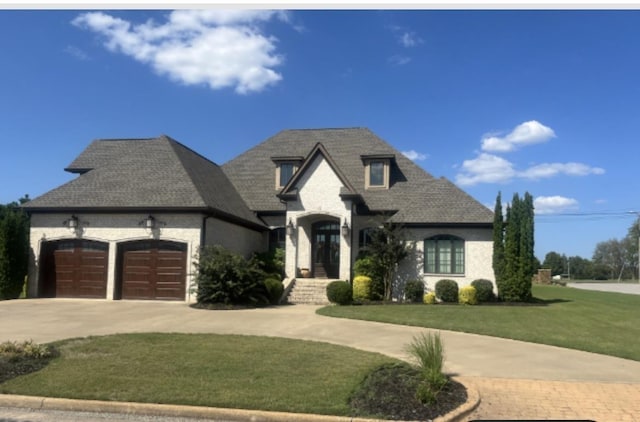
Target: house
131, 224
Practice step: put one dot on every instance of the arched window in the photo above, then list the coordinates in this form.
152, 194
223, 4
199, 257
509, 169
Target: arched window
444, 254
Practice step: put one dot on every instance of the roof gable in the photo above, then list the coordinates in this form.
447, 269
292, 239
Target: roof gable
290, 190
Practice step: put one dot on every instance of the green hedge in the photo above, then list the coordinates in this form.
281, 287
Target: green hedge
339, 292
447, 290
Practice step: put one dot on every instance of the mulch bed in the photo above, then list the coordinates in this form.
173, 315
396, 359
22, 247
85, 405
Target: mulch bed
390, 392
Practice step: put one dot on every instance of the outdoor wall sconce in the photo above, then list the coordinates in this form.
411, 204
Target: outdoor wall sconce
71, 223
291, 229
345, 228
149, 222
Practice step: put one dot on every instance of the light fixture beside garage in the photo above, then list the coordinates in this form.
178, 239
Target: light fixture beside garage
345, 228
71, 223
150, 222
291, 229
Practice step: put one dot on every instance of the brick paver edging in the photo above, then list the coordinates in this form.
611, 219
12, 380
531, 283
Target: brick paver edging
150, 409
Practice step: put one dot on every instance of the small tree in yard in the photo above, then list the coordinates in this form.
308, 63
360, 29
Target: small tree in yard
387, 248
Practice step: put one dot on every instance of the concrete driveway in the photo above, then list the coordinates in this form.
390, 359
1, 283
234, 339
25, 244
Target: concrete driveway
628, 288
468, 355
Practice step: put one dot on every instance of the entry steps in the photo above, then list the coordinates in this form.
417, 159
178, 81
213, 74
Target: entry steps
309, 291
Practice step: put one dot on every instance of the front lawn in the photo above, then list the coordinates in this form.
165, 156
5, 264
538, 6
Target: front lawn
204, 370
600, 322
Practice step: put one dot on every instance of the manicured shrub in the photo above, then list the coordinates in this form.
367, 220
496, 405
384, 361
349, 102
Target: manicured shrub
14, 250
274, 290
447, 290
414, 291
467, 296
429, 298
484, 290
367, 266
227, 278
339, 292
361, 288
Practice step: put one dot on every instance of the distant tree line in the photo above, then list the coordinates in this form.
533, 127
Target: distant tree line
612, 259
14, 248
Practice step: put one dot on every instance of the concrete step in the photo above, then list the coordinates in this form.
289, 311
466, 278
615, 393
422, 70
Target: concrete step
309, 291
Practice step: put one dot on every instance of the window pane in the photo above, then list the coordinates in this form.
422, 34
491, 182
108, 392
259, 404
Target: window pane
286, 172
430, 256
444, 256
376, 173
458, 246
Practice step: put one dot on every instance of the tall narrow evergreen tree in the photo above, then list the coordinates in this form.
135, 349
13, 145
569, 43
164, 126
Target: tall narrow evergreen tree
498, 242
527, 257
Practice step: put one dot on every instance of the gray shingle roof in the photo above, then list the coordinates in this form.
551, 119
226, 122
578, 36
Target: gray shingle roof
146, 173
415, 195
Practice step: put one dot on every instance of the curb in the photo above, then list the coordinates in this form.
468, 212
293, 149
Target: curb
215, 413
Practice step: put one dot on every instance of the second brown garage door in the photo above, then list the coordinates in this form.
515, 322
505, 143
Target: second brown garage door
153, 269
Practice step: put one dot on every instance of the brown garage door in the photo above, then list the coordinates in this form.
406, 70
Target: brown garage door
153, 269
74, 268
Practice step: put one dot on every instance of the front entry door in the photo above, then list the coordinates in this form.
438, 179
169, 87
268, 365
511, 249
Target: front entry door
326, 249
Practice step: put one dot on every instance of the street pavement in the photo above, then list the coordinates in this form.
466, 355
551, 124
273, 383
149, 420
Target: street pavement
489, 363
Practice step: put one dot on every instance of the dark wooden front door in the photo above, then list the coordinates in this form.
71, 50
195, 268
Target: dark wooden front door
152, 269
326, 249
74, 268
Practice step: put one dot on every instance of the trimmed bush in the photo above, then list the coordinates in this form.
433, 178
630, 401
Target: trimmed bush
367, 266
467, 296
274, 290
429, 298
484, 290
414, 291
447, 290
339, 292
362, 288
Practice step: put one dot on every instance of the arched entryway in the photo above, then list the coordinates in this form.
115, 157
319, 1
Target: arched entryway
151, 269
325, 249
75, 268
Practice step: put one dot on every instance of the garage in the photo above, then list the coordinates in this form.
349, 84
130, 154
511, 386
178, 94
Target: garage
74, 268
152, 270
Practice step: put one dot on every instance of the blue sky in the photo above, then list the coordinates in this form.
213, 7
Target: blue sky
541, 101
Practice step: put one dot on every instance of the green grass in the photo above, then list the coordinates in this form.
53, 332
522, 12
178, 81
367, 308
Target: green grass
600, 322
204, 369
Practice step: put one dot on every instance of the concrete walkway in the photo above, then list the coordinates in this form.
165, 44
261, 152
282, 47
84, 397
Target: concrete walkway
492, 364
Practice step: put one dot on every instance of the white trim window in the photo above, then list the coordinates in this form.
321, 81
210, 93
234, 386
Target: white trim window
444, 254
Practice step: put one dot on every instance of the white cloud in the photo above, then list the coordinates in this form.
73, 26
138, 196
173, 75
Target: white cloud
489, 168
219, 48
554, 204
486, 168
546, 170
527, 133
399, 60
414, 155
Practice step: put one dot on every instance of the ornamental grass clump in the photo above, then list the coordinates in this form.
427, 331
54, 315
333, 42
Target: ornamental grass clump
467, 296
428, 351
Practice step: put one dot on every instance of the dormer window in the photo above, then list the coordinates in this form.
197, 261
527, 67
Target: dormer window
285, 169
377, 171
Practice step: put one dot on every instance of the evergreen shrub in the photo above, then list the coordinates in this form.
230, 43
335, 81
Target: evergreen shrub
484, 290
361, 288
339, 292
429, 298
447, 290
274, 289
414, 291
467, 296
